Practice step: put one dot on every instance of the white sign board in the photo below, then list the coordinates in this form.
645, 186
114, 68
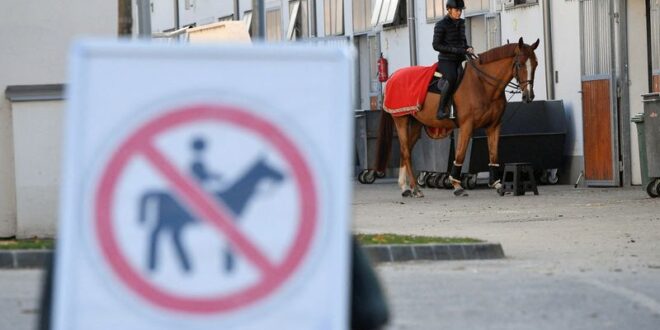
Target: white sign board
205, 187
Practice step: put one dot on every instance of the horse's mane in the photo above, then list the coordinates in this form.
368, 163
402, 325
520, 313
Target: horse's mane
498, 53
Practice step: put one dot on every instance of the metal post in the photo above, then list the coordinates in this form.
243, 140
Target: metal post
312, 19
176, 15
144, 18
237, 12
547, 46
258, 20
412, 35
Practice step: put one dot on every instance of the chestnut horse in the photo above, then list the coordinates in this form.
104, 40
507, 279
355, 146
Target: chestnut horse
479, 102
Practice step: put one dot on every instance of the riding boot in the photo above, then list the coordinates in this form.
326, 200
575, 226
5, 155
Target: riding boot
443, 109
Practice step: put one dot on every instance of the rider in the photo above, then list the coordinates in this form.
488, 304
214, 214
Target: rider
198, 168
450, 41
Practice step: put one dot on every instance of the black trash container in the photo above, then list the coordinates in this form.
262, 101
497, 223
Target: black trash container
367, 123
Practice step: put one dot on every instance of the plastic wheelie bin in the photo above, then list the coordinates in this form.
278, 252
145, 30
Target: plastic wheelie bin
652, 141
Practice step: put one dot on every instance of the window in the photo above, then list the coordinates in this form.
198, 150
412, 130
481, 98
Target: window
298, 20
273, 22
476, 6
655, 36
247, 18
333, 17
514, 3
389, 13
475, 31
435, 9
483, 32
493, 26
362, 11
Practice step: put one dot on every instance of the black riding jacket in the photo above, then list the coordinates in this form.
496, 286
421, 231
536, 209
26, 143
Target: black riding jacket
449, 39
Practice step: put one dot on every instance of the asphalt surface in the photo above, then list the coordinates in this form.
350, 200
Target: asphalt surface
586, 258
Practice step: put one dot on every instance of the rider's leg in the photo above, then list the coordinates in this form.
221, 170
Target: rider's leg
449, 71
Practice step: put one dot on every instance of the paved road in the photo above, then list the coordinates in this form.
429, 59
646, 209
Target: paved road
507, 295
576, 259
585, 258
19, 293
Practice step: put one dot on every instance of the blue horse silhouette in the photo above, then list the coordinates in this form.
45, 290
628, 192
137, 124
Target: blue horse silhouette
172, 217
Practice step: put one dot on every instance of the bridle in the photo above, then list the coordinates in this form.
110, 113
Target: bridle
496, 81
516, 68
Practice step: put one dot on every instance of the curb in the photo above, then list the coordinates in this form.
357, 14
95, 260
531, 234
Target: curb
411, 252
25, 258
14, 259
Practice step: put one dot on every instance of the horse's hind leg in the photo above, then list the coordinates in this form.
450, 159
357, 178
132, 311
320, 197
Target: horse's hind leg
401, 124
413, 136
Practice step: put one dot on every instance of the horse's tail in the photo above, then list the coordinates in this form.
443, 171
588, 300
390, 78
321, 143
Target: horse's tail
384, 144
143, 205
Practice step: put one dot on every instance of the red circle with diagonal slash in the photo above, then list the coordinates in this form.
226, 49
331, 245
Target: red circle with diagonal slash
141, 144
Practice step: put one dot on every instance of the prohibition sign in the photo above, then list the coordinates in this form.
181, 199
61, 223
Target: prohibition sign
141, 144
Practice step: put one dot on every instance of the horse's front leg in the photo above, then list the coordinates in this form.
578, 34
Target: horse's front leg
495, 177
464, 135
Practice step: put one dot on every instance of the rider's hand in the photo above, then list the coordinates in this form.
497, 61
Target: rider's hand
470, 50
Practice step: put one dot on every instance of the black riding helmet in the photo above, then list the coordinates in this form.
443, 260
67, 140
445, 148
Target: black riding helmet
459, 4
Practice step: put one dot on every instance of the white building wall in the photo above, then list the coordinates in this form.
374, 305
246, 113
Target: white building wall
527, 22
638, 76
35, 37
163, 13
395, 46
37, 159
203, 12
566, 58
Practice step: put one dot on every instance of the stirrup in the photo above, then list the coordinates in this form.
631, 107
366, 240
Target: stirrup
442, 115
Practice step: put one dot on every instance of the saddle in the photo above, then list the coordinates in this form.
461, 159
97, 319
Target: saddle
435, 86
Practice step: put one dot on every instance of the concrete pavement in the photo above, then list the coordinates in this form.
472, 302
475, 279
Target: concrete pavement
563, 228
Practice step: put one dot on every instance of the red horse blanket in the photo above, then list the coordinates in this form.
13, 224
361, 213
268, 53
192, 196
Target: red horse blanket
406, 89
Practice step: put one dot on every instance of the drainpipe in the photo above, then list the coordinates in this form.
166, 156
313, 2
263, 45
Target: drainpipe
312, 18
176, 15
258, 20
549, 66
412, 35
237, 13
649, 53
144, 19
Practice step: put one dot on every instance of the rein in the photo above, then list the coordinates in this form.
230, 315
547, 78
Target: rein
472, 58
496, 81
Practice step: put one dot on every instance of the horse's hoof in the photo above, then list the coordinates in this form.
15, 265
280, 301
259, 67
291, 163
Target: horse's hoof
418, 194
406, 193
459, 192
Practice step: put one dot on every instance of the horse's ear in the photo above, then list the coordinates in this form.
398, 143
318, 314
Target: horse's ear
536, 44
507, 41
520, 42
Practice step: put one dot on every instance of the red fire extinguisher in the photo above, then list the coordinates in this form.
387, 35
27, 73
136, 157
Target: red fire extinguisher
382, 69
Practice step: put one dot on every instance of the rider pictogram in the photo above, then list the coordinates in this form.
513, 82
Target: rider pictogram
185, 194
171, 217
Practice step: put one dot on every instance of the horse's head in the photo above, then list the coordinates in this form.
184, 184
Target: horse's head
524, 67
264, 170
